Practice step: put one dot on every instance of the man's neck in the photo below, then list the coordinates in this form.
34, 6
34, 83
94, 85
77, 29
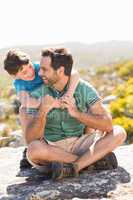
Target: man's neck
61, 83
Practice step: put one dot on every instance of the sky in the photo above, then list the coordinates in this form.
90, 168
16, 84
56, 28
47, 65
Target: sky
33, 22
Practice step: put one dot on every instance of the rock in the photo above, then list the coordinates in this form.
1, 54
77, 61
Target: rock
4, 141
51, 194
2, 112
6, 109
18, 139
4, 129
108, 99
31, 185
8, 138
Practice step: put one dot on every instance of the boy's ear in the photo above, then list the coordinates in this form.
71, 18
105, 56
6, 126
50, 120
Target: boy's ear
13, 76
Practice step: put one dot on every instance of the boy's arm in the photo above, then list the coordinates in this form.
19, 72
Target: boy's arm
74, 80
27, 101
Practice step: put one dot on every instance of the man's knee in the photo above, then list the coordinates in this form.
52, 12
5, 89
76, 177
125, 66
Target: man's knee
35, 149
120, 133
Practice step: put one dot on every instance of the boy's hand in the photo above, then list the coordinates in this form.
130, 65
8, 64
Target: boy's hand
48, 103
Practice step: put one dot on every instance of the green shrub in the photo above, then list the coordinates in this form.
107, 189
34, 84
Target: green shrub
103, 69
127, 123
122, 108
126, 70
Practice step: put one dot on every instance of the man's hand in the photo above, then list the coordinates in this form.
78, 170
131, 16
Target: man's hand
69, 103
48, 103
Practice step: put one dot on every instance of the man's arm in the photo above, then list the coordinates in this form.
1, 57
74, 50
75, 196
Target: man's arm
97, 116
33, 125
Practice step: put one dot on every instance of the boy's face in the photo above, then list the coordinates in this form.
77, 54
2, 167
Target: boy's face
26, 72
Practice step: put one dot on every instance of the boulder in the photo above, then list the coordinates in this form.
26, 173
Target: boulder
6, 109
4, 130
5, 141
31, 185
108, 99
9, 138
18, 139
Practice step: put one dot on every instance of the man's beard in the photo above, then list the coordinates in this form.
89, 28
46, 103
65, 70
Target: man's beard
50, 82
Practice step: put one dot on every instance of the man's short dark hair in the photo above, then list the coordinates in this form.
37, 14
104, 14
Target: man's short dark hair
14, 60
59, 57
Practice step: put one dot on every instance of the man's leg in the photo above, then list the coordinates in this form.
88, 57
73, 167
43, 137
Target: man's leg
90, 154
40, 152
102, 147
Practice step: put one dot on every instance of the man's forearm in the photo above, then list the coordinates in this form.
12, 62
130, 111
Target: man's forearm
101, 122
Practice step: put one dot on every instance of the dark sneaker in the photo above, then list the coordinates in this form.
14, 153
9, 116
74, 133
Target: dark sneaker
24, 163
62, 170
108, 162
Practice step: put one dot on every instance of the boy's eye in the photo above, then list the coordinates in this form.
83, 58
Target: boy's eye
24, 72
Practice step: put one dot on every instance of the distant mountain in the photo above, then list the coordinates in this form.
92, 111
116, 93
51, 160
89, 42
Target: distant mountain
85, 55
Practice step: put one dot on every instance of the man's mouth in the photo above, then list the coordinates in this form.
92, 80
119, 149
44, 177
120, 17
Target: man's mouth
45, 79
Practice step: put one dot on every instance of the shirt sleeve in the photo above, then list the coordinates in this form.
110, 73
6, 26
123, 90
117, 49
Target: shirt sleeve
18, 86
92, 95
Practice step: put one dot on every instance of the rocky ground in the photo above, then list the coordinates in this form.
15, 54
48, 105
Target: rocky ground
30, 185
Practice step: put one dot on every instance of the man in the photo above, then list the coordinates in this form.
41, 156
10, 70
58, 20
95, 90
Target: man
55, 133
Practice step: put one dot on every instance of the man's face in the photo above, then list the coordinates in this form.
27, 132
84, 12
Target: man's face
26, 72
47, 73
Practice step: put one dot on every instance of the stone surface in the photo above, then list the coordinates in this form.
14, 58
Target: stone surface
4, 130
11, 138
18, 139
5, 141
5, 109
30, 185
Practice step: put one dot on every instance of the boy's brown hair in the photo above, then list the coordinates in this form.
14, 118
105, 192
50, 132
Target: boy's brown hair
14, 61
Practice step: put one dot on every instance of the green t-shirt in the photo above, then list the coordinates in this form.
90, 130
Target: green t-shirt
59, 123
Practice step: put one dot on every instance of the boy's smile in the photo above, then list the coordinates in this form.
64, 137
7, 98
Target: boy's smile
26, 72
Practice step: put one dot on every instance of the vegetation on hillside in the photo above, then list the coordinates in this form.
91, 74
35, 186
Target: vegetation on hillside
122, 107
7, 97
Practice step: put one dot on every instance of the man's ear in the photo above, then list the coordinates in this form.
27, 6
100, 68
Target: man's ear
60, 71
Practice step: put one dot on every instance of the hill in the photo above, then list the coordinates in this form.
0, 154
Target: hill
84, 55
